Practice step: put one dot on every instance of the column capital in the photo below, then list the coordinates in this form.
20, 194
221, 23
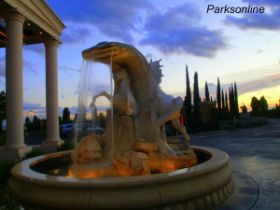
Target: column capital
51, 42
15, 16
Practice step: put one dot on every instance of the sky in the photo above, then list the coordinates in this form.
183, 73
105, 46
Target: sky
241, 48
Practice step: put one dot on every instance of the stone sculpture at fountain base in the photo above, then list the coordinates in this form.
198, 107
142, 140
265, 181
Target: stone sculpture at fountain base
134, 142
130, 157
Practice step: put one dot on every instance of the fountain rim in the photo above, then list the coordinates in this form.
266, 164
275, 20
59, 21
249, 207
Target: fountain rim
23, 172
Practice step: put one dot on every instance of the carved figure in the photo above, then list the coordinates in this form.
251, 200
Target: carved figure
123, 99
134, 141
168, 106
88, 150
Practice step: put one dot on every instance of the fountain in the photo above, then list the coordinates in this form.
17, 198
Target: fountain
132, 165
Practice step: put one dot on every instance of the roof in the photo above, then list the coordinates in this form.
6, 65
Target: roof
41, 22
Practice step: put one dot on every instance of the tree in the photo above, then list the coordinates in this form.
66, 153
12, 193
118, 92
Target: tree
187, 105
231, 101
2, 108
196, 97
243, 109
263, 105
207, 97
224, 114
27, 123
59, 120
188, 100
66, 115
223, 100
36, 123
255, 104
219, 96
236, 107
226, 101
101, 120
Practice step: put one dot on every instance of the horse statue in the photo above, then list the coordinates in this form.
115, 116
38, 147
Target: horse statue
124, 103
168, 107
134, 141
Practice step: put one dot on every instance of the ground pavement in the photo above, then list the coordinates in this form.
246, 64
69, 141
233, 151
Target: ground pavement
255, 159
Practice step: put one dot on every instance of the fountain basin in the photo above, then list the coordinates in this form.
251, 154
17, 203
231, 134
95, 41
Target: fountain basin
203, 186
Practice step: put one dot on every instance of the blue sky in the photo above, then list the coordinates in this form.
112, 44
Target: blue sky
235, 47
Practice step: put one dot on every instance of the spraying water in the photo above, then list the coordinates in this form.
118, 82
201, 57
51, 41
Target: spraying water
93, 109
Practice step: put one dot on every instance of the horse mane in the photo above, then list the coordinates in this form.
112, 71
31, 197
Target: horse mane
155, 68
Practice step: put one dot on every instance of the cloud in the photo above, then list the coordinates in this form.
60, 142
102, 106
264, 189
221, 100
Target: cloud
265, 21
74, 34
258, 84
26, 66
247, 80
262, 2
37, 110
149, 56
211, 85
31, 106
256, 21
256, 79
117, 19
177, 31
68, 95
69, 68
36, 48
259, 51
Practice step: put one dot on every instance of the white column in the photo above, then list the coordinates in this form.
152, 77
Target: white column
14, 81
52, 94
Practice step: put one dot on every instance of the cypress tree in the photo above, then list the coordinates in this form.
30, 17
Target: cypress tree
207, 98
236, 110
223, 100
196, 97
188, 94
188, 99
219, 96
226, 101
66, 114
231, 101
